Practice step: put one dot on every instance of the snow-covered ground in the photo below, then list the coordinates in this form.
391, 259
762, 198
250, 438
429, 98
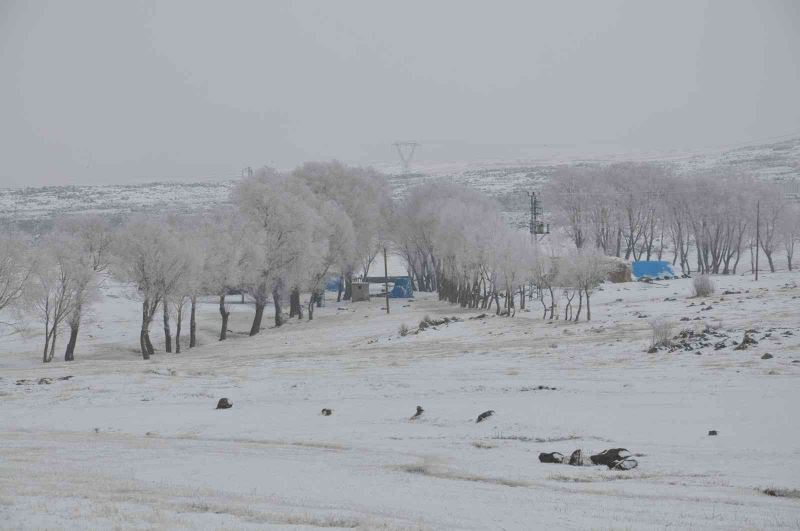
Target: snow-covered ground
128, 444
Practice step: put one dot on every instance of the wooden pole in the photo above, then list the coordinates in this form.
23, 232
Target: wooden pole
758, 232
386, 278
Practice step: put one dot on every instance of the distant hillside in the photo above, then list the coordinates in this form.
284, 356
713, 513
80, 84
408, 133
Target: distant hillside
505, 180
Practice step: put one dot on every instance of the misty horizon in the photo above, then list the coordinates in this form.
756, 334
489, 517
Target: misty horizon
107, 94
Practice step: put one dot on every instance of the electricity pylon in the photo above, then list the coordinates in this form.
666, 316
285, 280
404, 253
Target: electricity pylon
405, 150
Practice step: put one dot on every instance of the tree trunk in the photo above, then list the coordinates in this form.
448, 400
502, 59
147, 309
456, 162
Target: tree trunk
167, 332
588, 308
69, 354
276, 300
580, 305
150, 348
193, 323
46, 346
178, 322
223, 334
348, 286
143, 344
311, 301
256, 327
53, 338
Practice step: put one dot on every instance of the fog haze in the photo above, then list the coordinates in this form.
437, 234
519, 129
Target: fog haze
109, 92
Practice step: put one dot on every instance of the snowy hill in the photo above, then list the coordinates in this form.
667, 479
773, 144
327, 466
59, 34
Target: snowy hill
504, 179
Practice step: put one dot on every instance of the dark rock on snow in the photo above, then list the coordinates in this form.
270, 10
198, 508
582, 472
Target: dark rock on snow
576, 458
326, 412
224, 403
711, 433
485, 415
419, 413
552, 457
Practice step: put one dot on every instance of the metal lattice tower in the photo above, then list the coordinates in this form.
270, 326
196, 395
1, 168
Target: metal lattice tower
405, 150
536, 225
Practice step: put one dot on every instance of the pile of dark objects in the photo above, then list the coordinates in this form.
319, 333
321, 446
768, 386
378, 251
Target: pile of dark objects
691, 340
613, 458
427, 322
43, 381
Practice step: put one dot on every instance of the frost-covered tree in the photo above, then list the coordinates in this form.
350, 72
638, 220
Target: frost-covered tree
16, 265
336, 240
53, 289
90, 240
223, 236
146, 256
587, 269
365, 196
773, 204
279, 224
790, 231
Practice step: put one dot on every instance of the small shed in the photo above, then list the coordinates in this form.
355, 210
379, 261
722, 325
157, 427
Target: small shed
619, 270
360, 292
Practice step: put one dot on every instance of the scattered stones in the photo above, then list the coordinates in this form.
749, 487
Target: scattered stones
537, 388
485, 415
747, 340
712, 433
43, 381
767, 356
326, 412
224, 403
552, 457
418, 414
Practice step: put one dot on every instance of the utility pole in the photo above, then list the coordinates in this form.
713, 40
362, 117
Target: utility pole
535, 225
758, 232
533, 212
386, 278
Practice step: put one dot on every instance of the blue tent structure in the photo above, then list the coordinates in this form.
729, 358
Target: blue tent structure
653, 269
402, 288
333, 284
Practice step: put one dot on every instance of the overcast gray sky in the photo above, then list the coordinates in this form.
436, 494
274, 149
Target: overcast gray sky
110, 91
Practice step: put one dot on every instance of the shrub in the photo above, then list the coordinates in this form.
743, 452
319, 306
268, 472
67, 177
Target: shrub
703, 286
662, 333
403, 330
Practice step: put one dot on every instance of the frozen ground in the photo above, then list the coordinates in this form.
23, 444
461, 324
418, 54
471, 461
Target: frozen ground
131, 444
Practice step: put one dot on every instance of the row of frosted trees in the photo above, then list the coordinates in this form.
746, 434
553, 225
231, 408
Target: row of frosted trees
282, 234
705, 222
456, 242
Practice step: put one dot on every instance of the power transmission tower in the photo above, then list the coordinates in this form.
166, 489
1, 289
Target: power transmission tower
536, 225
405, 150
